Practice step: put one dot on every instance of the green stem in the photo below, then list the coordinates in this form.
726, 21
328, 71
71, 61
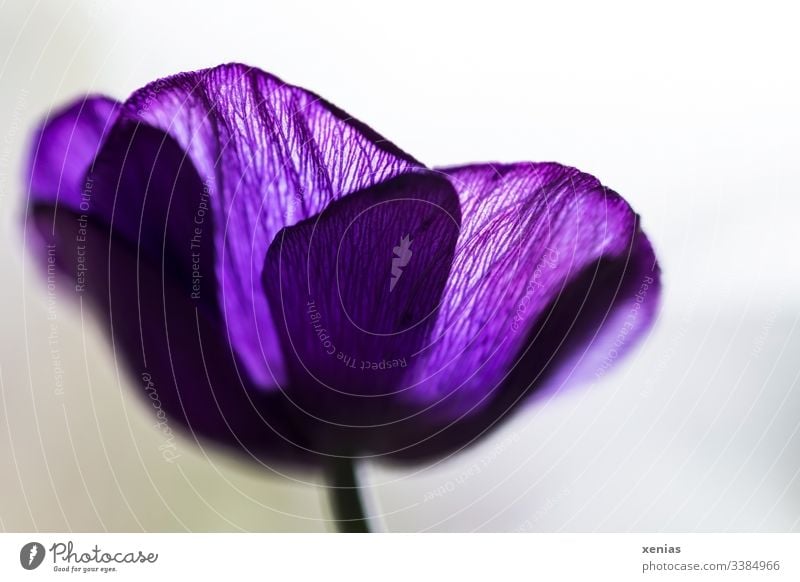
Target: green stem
348, 511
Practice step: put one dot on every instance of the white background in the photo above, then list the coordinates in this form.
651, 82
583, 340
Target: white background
691, 111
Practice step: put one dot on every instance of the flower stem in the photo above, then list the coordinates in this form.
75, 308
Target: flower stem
348, 511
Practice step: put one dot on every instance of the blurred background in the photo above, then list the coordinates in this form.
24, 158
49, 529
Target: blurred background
690, 112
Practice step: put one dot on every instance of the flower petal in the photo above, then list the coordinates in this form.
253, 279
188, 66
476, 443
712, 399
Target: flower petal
355, 292
177, 354
116, 228
271, 154
134, 179
64, 148
552, 278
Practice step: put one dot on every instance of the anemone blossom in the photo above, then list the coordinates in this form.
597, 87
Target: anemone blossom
299, 289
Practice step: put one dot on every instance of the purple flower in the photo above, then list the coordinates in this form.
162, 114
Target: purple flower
293, 285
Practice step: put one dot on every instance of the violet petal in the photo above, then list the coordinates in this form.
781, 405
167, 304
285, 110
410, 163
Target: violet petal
116, 241
271, 154
355, 292
552, 281
64, 148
